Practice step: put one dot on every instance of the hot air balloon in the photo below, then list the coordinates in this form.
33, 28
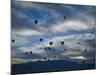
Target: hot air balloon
93, 28
92, 32
30, 52
65, 49
62, 42
45, 48
26, 52
45, 58
83, 61
51, 43
85, 50
41, 39
64, 17
78, 43
35, 21
13, 41
49, 48
54, 56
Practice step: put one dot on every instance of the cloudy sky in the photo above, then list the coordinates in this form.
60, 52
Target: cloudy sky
73, 24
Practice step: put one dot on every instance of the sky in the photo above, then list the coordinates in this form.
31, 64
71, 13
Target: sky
73, 24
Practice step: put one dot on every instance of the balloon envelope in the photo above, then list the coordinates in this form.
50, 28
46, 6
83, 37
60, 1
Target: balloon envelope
62, 42
13, 40
64, 17
41, 39
26, 52
50, 42
36, 21
31, 52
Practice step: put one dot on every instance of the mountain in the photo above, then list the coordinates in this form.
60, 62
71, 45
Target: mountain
49, 66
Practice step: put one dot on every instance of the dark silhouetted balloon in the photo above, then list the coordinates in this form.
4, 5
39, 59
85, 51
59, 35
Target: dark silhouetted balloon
62, 42
49, 48
93, 28
92, 32
64, 17
85, 50
45, 58
30, 52
45, 48
13, 41
26, 52
83, 61
65, 49
54, 56
41, 39
51, 43
78, 43
35, 21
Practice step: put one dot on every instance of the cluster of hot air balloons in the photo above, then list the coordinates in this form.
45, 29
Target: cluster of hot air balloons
28, 52
50, 47
51, 42
47, 48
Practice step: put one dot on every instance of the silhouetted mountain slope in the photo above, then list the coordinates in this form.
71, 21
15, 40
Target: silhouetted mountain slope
49, 66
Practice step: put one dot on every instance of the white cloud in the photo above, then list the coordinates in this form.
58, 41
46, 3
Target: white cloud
78, 57
70, 25
33, 49
26, 32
